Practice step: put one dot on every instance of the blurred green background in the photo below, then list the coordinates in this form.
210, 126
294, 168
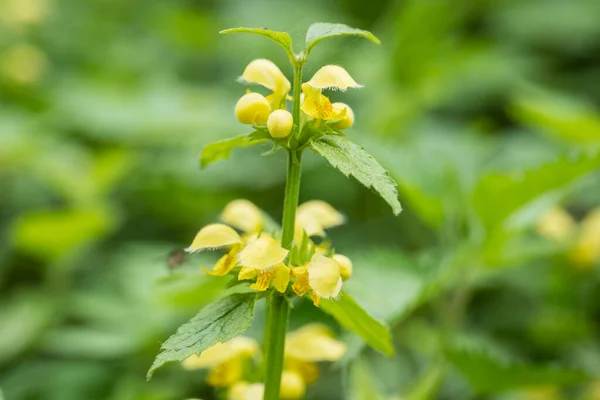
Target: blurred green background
485, 112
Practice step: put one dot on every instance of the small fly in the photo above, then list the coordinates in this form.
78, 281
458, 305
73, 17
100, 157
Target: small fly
176, 258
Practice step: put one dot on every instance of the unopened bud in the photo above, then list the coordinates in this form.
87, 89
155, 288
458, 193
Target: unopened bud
280, 123
252, 109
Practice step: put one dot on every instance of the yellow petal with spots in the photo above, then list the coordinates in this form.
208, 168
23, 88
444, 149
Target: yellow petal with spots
301, 285
244, 215
263, 280
332, 77
262, 253
318, 106
214, 236
314, 343
324, 276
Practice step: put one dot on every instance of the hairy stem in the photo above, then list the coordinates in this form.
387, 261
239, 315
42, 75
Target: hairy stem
278, 307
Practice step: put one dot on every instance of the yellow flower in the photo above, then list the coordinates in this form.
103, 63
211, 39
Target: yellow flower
303, 348
280, 123
214, 236
262, 253
267, 74
225, 360
279, 276
345, 266
313, 343
332, 77
244, 215
321, 276
293, 385
586, 252
246, 391
318, 106
315, 216
252, 109
348, 120
556, 224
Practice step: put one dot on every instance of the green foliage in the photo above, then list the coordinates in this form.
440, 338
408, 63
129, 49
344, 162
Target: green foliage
218, 322
322, 30
487, 374
353, 317
498, 196
281, 38
351, 159
222, 149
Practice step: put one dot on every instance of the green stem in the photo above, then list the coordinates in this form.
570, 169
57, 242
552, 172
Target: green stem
277, 320
278, 307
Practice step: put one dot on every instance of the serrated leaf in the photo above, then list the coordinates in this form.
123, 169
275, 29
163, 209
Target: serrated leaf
353, 317
322, 30
498, 196
351, 159
281, 38
218, 322
488, 374
222, 149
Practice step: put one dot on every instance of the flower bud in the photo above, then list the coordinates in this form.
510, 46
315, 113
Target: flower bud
348, 119
292, 386
252, 109
280, 123
345, 266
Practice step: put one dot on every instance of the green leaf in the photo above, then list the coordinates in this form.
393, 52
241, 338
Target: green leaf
487, 373
353, 317
322, 30
351, 159
281, 38
218, 322
499, 196
222, 149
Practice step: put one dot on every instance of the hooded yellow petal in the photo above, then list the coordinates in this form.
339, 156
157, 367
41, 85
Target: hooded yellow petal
316, 215
332, 77
244, 215
345, 265
262, 253
214, 236
293, 386
324, 276
247, 273
237, 347
313, 343
246, 391
264, 72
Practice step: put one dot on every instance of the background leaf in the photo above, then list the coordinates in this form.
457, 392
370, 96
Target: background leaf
353, 317
488, 374
281, 38
351, 159
322, 30
222, 149
218, 322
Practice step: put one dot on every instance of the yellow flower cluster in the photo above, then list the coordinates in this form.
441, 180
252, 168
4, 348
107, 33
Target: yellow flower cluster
256, 109
227, 362
558, 225
257, 255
